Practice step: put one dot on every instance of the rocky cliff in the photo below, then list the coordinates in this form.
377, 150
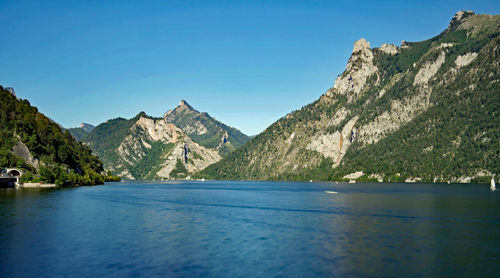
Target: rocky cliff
204, 129
421, 111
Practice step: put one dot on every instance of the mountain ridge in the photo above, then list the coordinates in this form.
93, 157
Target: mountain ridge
174, 146
387, 97
204, 129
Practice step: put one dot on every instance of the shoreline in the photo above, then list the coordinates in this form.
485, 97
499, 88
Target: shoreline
36, 185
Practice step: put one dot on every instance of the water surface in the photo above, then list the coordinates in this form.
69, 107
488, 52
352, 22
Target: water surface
250, 229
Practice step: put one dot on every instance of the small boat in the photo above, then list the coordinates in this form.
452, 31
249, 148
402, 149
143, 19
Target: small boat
331, 192
492, 184
352, 181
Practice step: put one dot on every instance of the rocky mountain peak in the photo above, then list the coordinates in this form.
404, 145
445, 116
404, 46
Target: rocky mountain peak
360, 45
458, 18
361, 55
462, 14
203, 129
183, 107
184, 104
359, 67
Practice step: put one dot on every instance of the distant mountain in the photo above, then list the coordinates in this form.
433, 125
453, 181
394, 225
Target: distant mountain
31, 141
423, 111
80, 132
184, 141
204, 129
87, 127
148, 148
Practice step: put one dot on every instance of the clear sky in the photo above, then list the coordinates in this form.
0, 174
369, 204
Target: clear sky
247, 63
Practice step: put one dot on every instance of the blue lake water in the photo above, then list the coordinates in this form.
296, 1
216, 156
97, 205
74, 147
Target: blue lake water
251, 229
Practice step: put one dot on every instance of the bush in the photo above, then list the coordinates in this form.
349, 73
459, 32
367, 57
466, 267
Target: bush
46, 175
26, 177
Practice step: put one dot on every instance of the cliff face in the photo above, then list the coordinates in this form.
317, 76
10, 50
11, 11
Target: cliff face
422, 111
204, 129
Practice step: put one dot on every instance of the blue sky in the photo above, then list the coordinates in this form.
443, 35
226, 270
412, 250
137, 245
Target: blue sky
247, 63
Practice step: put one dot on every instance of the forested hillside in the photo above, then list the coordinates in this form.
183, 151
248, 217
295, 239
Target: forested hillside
81, 132
31, 141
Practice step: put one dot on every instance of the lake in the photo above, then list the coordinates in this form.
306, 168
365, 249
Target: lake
251, 229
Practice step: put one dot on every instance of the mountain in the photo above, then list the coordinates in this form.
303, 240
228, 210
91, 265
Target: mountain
80, 132
87, 127
205, 130
421, 111
31, 141
145, 147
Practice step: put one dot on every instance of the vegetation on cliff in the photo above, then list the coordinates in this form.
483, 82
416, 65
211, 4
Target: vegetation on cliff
205, 130
81, 132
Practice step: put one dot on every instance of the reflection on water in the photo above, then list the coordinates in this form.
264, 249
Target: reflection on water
240, 229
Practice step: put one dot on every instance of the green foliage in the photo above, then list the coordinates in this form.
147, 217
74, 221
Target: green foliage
403, 60
107, 136
46, 175
26, 177
366, 178
111, 178
78, 133
196, 155
179, 170
151, 161
482, 179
